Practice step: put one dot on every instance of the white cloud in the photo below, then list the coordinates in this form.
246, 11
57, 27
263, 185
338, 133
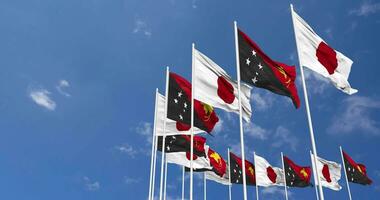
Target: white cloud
218, 127
129, 180
62, 84
356, 116
283, 137
91, 185
315, 83
262, 100
366, 8
41, 97
142, 27
256, 131
194, 4
145, 129
127, 149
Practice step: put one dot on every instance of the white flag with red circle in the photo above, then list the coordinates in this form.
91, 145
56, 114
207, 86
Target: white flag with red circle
315, 54
215, 87
266, 174
329, 173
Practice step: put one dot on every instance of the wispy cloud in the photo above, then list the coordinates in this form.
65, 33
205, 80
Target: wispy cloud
127, 149
316, 83
355, 115
366, 8
256, 131
91, 185
62, 85
42, 98
194, 4
274, 191
282, 137
145, 129
262, 100
142, 27
130, 180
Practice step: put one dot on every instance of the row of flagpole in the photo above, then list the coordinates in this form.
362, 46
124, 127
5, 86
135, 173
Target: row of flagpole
163, 177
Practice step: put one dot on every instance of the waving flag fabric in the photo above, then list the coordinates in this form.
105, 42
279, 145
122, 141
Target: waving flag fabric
356, 172
215, 87
317, 55
296, 176
266, 174
237, 171
259, 70
329, 173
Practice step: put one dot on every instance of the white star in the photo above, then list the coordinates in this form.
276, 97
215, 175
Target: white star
184, 110
179, 94
257, 73
175, 100
180, 116
168, 148
260, 66
253, 52
185, 105
247, 61
254, 80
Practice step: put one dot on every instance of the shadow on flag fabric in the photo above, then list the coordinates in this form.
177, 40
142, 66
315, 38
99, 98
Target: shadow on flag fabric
177, 149
266, 174
356, 172
215, 87
329, 173
219, 171
179, 106
257, 69
296, 176
317, 55
172, 127
237, 170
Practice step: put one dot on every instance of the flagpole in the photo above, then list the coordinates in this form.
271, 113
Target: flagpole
314, 175
166, 177
240, 112
204, 186
164, 133
192, 122
307, 109
183, 182
283, 168
229, 176
345, 173
153, 142
257, 187
154, 166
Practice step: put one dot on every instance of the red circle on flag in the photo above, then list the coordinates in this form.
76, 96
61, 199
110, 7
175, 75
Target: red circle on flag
271, 174
225, 90
327, 57
326, 173
188, 156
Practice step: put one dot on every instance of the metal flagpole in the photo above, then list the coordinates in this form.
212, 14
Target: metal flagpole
166, 177
283, 168
164, 133
154, 166
314, 175
229, 176
153, 142
204, 186
183, 182
192, 122
307, 108
240, 112
257, 187
345, 173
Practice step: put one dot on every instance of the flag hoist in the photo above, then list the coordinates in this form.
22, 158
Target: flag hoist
192, 121
153, 159
314, 148
240, 112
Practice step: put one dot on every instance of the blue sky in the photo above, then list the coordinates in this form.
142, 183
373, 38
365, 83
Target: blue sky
78, 78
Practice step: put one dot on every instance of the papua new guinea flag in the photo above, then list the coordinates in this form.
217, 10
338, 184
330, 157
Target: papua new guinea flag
182, 143
179, 106
257, 69
237, 170
296, 176
356, 173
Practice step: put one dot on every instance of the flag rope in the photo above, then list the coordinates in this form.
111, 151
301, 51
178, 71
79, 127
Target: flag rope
283, 168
